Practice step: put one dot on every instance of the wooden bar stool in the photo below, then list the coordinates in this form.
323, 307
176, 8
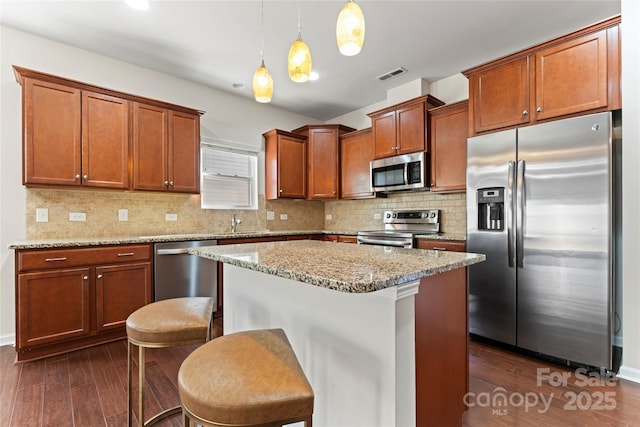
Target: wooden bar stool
249, 378
167, 323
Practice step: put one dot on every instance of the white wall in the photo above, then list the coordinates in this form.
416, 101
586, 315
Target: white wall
227, 117
631, 189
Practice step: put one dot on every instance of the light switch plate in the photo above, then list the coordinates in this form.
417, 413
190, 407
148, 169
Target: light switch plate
77, 216
271, 215
171, 217
123, 214
283, 217
328, 216
42, 215
377, 216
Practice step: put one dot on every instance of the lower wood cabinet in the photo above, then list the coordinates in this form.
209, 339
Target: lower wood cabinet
73, 298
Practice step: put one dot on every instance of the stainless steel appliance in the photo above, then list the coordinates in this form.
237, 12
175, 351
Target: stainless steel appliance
401, 227
180, 274
404, 172
540, 205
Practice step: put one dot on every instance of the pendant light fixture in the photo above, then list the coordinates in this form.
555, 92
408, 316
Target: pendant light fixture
262, 81
350, 29
299, 57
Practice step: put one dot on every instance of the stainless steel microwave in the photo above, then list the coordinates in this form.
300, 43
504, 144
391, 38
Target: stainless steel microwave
405, 172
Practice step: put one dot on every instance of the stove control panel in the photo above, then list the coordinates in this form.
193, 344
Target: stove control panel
429, 216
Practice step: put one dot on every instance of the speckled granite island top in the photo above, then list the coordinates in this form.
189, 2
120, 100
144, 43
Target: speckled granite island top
340, 266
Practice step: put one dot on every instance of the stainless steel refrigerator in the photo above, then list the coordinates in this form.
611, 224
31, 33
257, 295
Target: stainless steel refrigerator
540, 205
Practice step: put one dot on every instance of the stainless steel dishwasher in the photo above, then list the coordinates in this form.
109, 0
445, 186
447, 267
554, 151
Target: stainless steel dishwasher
180, 274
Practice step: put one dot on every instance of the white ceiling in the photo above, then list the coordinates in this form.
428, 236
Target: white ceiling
217, 43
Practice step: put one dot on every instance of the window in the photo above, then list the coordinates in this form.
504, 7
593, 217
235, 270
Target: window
229, 178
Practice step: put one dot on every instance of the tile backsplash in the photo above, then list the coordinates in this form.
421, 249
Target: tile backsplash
146, 213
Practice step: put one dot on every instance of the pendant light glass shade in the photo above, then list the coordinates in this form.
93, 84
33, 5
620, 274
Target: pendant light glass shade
350, 29
262, 84
299, 61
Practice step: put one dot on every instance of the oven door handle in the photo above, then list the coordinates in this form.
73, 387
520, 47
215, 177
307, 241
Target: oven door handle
383, 242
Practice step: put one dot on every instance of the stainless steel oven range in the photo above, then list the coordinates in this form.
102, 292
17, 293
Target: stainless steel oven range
401, 227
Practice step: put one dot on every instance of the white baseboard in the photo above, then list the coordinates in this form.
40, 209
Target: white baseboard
8, 340
629, 374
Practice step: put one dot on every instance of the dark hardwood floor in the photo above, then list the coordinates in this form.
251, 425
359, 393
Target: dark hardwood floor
88, 388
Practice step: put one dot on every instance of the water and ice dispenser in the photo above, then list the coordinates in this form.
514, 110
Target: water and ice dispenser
491, 209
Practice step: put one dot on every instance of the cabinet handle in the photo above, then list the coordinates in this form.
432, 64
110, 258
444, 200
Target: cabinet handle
64, 258
539, 109
99, 276
439, 249
525, 113
126, 254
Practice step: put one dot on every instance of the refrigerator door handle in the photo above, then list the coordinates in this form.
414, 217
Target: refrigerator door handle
511, 181
520, 209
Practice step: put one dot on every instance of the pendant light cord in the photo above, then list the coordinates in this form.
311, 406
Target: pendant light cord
262, 31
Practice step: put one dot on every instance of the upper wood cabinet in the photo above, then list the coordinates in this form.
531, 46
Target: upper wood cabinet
165, 149
356, 152
402, 128
74, 137
577, 73
323, 159
449, 128
285, 165
75, 134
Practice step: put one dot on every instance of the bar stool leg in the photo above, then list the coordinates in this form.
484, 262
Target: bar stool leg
141, 367
129, 385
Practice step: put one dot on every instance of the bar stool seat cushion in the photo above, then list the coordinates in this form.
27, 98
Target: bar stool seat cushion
171, 321
245, 378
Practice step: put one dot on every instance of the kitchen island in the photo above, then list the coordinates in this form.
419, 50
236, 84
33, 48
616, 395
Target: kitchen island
380, 332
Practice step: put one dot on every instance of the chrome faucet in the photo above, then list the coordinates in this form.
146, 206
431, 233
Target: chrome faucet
234, 223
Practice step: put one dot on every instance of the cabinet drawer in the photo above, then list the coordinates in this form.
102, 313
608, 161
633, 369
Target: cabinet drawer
441, 245
64, 257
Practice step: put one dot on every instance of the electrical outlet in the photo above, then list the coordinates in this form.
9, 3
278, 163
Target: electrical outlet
283, 217
377, 216
171, 217
123, 214
77, 216
42, 215
328, 216
271, 215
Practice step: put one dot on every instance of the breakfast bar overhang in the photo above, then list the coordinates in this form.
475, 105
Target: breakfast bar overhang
381, 333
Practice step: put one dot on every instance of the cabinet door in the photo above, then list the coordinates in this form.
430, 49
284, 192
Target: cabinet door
292, 167
572, 76
411, 128
51, 120
120, 290
449, 128
52, 306
500, 96
184, 152
356, 153
105, 141
150, 150
323, 164
384, 134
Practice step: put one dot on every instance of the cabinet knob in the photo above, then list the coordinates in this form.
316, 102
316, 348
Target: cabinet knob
86, 277
166, 183
525, 113
539, 109
78, 176
99, 276
171, 183
281, 190
85, 177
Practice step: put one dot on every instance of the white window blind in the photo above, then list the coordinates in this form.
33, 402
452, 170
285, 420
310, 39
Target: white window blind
229, 178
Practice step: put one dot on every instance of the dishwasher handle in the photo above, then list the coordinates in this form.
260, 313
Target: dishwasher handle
176, 251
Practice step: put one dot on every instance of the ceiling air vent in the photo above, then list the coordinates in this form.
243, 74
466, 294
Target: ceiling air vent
392, 73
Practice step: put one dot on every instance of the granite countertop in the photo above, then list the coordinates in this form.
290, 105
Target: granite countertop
340, 266
103, 241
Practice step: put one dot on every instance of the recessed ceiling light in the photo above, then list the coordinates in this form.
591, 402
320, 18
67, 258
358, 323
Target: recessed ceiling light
138, 4
313, 75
